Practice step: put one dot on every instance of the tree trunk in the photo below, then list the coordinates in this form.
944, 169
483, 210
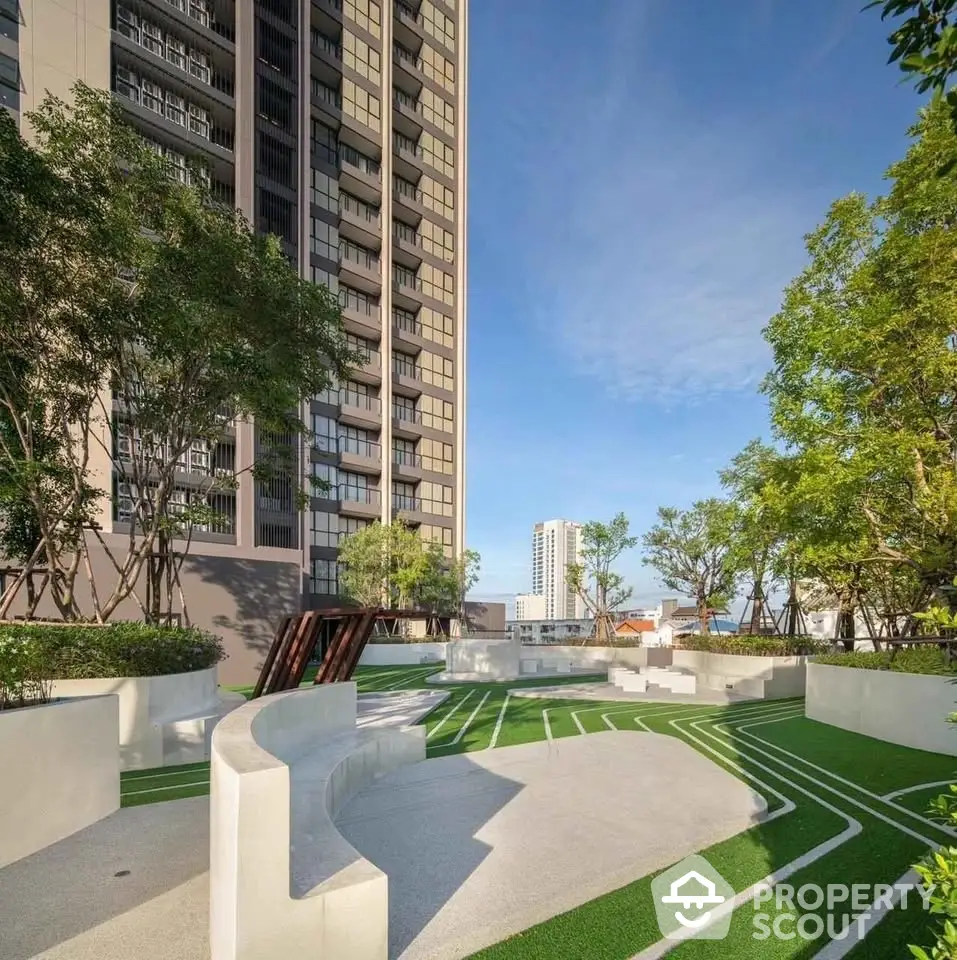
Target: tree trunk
703, 618
757, 609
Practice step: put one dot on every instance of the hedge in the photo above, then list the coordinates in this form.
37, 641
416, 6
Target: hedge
924, 659
33, 655
751, 646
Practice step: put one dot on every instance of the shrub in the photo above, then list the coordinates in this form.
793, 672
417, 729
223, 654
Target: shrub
928, 659
751, 646
33, 655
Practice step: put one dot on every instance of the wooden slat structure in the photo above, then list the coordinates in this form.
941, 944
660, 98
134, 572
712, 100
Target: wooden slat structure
298, 635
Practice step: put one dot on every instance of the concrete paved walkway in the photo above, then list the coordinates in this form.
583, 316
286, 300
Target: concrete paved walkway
480, 846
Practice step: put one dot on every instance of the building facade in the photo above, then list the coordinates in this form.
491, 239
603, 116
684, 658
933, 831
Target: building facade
339, 126
529, 606
555, 544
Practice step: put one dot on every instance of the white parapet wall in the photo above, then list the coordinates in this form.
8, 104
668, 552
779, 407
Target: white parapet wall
283, 880
489, 659
905, 708
401, 654
163, 720
60, 772
766, 678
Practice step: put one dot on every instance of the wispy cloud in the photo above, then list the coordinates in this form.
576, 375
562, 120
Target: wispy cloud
671, 238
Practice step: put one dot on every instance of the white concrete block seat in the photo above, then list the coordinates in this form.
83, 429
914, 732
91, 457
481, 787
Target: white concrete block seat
649, 679
164, 720
283, 880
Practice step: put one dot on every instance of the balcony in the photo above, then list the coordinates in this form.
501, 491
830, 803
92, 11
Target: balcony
359, 221
361, 317
326, 57
408, 201
362, 456
407, 115
407, 245
407, 26
406, 422
407, 331
359, 409
406, 157
360, 174
408, 76
359, 501
406, 465
404, 504
405, 288
371, 370
360, 268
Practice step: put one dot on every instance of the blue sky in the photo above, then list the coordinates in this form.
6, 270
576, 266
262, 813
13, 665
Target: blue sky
642, 173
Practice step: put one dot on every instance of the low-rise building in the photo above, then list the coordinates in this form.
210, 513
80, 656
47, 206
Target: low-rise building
551, 631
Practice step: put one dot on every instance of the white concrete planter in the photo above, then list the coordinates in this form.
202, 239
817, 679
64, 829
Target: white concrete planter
906, 708
60, 772
402, 654
767, 678
163, 720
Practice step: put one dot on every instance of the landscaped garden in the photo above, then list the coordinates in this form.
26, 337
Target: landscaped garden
842, 808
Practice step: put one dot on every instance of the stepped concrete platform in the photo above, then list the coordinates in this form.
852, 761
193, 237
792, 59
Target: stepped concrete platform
608, 691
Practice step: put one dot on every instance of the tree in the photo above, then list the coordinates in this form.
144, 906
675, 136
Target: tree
382, 565
925, 44
865, 370
139, 320
600, 588
691, 550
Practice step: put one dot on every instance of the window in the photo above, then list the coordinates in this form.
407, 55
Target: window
9, 82
359, 208
325, 277
175, 50
437, 284
366, 14
355, 487
438, 25
324, 579
324, 433
198, 121
403, 496
325, 192
405, 188
324, 239
436, 456
325, 93
437, 68
438, 155
437, 240
325, 479
351, 525
276, 160
175, 108
199, 66
151, 37
276, 215
436, 414
275, 104
404, 232
436, 326
358, 55
325, 143
404, 365
403, 408
361, 104
361, 161
366, 348
403, 276
358, 301
438, 111
276, 49
435, 370
362, 443
329, 395
362, 256
403, 452
406, 320
436, 498
441, 535
438, 198
325, 529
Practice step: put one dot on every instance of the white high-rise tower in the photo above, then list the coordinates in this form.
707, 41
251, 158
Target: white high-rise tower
555, 544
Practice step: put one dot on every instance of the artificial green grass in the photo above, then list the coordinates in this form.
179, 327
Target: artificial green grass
622, 923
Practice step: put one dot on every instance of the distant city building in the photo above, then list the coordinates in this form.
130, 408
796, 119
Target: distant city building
555, 544
529, 606
551, 631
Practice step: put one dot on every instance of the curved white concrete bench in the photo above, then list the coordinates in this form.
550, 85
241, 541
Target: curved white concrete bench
283, 880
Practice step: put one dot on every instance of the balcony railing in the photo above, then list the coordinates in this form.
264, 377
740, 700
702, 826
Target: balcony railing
405, 459
406, 415
321, 42
358, 209
363, 401
400, 502
360, 448
406, 190
351, 157
403, 231
326, 93
401, 142
404, 368
406, 56
360, 257
359, 494
403, 321
349, 301
402, 99
405, 10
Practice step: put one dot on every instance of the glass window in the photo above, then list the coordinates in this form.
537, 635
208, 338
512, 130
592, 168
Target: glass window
324, 239
325, 191
325, 529
325, 474
324, 433
324, 580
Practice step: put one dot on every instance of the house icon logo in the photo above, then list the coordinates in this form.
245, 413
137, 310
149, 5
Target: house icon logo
688, 901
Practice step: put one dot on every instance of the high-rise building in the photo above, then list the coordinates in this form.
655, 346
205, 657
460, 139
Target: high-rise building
340, 126
555, 544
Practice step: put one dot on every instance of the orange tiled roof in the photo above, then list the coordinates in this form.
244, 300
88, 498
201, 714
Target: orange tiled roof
635, 626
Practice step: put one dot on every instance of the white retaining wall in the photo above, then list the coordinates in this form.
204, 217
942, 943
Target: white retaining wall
60, 772
492, 659
163, 720
905, 708
404, 654
767, 678
283, 880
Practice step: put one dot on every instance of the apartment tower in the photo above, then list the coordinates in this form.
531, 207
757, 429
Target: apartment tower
555, 544
340, 126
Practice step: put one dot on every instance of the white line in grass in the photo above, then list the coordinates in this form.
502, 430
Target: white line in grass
917, 788
472, 716
172, 786
448, 715
499, 722
170, 771
548, 728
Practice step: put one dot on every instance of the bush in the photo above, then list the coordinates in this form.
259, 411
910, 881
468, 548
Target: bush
928, 659
33, 655
751, 646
